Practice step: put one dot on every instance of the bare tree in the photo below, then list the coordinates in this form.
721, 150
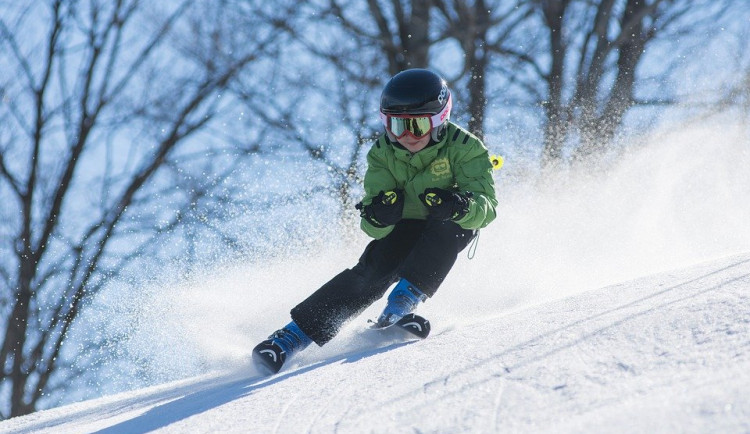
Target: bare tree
405, 31
588, 63
480, 27
367, 43
578, 61
336, 68
101, 103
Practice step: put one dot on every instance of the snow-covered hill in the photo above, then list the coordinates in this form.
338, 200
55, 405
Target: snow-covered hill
664, 353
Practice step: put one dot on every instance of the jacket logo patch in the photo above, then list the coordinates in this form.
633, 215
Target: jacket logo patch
440, 168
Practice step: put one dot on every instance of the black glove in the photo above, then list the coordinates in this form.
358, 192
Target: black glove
385, 210
445, 204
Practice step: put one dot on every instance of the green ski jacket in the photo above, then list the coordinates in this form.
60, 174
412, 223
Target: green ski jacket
459, 162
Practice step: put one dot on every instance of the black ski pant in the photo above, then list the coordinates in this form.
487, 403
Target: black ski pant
421, 251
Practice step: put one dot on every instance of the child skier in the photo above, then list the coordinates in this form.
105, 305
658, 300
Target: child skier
428, 189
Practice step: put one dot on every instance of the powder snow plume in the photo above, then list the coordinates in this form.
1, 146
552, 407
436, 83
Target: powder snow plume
677, 198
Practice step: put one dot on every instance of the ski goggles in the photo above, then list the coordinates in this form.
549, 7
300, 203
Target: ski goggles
417, 126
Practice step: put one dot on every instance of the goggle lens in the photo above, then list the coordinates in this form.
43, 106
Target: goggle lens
417, 126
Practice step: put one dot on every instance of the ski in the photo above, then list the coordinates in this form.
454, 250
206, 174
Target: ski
412, 323
268, 357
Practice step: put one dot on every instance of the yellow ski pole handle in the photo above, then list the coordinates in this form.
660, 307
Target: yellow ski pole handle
390, 197
497, 161
432, 199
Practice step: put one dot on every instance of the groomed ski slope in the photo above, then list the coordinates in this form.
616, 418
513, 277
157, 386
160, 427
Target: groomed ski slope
664, 353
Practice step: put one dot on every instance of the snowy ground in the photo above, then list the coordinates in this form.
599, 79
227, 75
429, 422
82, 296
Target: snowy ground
664, 353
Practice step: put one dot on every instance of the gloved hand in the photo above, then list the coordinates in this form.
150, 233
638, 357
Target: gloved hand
445, 204
385, 210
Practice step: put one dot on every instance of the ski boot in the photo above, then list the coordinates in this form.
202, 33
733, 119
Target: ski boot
401, 301
270, 355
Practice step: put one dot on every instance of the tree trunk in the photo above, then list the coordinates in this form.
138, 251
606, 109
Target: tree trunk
556, 123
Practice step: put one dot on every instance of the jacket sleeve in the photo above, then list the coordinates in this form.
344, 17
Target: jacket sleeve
473, 173
377, 178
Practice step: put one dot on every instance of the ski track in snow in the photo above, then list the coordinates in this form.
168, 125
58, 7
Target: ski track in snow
663, 353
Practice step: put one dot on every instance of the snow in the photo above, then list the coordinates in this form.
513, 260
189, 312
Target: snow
668, 352
597, 302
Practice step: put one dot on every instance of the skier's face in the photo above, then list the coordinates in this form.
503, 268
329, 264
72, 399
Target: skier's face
413, 144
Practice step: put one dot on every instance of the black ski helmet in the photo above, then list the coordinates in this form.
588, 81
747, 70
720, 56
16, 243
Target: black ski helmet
417, 92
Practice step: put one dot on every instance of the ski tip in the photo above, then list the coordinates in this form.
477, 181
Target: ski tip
268, 358
412, 323
416, 325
